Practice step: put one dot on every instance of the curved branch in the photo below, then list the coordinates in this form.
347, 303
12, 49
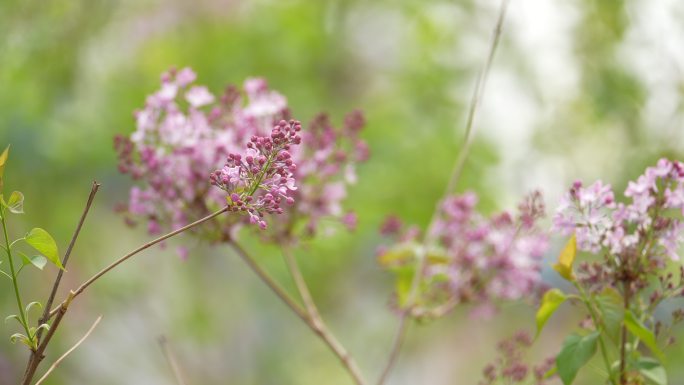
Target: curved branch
450, 187
316, 322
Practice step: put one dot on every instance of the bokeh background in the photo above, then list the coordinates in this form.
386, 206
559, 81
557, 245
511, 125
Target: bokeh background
579, 89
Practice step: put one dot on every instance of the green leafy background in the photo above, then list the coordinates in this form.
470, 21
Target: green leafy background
579, 89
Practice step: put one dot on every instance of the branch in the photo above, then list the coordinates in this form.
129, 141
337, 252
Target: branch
60, 359
67, 254
450, 187
60, 310
396, 348
37, 356
270, 282
316, 322
116, 263
171, 359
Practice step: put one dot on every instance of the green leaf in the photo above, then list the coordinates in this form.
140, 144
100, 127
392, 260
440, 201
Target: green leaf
18, 336
644, 334
43, 242
37, 260
612, 312
652, 370
13, 316
46, 327
15, 204
3, 160
32, 304
550, 302
398, 256
403, 285
576, 352
566, 259
552, 372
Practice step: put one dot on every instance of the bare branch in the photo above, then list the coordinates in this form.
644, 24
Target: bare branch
316, 322
60, 310
270, 282
171, 359
450, 187
60, 359
67, 254
116, 263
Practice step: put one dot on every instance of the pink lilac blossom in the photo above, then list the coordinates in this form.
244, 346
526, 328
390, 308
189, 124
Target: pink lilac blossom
618, 228
510, 367
478, 259
326, 166
259, 183
184, 132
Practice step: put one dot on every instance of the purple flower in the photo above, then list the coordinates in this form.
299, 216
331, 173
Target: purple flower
587, 212
183, 133
258, 182
199, 96
623, 229
477, 258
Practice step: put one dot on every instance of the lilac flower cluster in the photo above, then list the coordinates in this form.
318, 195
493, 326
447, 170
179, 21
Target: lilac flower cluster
475, 259
636, 237
184, 132
510, 366
326, 166
267, 167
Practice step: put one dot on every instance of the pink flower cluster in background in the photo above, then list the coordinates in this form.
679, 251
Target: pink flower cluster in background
476, 259
185, 132
650, 224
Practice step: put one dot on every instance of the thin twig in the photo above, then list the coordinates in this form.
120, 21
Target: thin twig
450, 187
476, 98
171, 359
270, 282
623, 337
67, 254
396, 348
37, 355
62, 308
116, 263
60, 359
316, 321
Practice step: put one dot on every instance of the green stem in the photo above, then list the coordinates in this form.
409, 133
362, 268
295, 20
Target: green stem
14, 281
594, 317
623, 339
262, 174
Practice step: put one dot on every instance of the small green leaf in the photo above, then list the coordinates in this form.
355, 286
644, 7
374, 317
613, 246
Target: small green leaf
576, 352
3, 160
32, 304
403, 284
18, 336
15, 203
552, 372
611, 311
42, 241
13, 316
23, 339
566, 259
397, 256
37, 260
652, 370
644, 334
46, 327
551, 301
